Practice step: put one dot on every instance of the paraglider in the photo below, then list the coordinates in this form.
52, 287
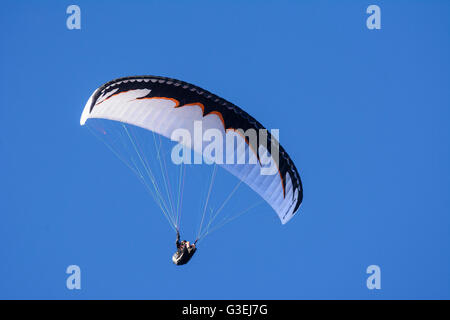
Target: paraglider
137, 116
185, 251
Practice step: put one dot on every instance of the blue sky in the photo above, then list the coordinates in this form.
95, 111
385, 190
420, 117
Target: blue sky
363, 113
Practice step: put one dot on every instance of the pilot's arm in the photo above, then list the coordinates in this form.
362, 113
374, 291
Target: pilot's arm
177, 243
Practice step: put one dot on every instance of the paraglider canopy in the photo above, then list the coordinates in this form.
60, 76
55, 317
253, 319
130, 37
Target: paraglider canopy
167, 107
